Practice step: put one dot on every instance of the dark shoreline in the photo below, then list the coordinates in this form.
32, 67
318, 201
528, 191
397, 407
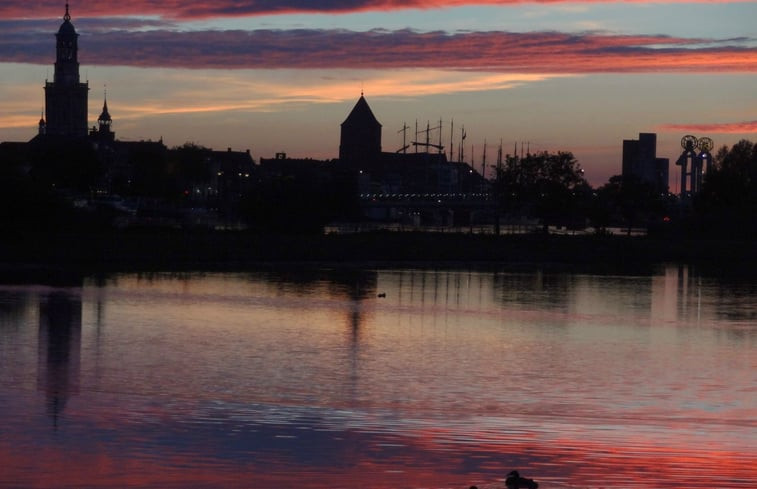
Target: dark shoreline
177, 250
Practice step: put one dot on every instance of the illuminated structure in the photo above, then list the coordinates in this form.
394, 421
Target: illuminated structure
695, 161
66, 96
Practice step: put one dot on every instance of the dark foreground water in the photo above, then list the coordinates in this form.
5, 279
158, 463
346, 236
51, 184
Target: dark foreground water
314, 379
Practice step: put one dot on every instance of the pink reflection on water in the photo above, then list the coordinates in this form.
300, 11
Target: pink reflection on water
567, 463
449, 382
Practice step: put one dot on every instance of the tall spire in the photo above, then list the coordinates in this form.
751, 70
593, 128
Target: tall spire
67, 16
105, 119
103, 130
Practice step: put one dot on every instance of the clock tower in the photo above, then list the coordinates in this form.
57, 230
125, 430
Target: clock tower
66, 97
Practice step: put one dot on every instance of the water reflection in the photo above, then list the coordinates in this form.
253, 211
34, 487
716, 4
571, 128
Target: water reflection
12, 306
59, 349
311, 379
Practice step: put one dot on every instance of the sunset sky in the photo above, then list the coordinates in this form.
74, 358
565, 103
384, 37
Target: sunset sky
281, 75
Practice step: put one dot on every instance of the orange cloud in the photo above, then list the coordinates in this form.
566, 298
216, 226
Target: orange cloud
746, 127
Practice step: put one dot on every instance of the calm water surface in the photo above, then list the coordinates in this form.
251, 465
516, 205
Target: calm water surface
309, 379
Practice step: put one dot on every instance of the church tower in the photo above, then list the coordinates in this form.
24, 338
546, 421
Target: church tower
361, 135
66, 96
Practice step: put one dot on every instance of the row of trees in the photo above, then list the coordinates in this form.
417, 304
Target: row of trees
552, 188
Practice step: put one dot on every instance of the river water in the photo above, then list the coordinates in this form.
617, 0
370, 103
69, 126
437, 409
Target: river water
379, 379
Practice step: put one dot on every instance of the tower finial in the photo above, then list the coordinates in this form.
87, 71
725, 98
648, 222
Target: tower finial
67, 16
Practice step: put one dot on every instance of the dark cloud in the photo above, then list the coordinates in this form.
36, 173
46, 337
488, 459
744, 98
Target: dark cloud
507, 52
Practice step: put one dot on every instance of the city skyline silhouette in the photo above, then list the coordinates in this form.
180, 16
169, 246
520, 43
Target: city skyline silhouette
270, 102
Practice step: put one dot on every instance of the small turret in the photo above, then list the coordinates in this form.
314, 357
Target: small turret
103, 130
42, 126
104, 121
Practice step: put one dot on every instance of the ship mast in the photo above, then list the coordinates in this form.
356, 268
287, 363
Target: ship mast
428, 144
404, 147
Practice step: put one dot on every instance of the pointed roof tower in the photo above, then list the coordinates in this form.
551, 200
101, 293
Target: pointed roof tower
361, 115
105, 118
103, 131
42, 125
361, 134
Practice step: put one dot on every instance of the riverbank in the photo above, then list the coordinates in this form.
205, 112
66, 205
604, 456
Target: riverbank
155, 250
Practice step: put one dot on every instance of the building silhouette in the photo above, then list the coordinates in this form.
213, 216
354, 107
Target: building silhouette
417, 187
66, 96
640, 161
360, 139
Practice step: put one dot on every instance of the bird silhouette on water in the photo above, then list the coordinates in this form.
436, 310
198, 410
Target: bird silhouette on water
515, 481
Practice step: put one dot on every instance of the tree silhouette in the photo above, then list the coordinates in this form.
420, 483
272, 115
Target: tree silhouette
149, 163
188, 164
548, 186
65, 164
628, 201
727, 203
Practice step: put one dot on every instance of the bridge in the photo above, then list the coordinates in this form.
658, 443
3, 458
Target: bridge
429, 208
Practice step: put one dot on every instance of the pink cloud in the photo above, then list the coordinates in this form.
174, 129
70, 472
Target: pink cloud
495, 51
177, 9
746, 127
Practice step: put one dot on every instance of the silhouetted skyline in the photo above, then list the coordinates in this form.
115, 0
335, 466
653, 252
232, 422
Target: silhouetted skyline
574, 77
